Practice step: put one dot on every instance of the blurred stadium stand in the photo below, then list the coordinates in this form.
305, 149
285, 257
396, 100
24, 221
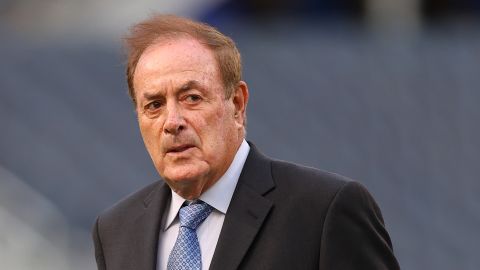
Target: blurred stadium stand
396, 109
33, 232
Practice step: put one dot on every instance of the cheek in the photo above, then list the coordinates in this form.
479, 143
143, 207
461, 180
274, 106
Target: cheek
217, 132
150, 132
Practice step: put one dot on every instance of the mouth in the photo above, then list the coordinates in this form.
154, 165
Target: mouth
179, 148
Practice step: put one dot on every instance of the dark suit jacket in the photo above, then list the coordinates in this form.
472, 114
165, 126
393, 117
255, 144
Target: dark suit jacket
282, 216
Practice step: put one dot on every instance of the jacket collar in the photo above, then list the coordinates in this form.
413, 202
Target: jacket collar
247, 212
145, 242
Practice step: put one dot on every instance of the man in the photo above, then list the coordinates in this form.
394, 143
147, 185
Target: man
248, 211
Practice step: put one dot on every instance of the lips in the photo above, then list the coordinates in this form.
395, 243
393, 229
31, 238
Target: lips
179, 148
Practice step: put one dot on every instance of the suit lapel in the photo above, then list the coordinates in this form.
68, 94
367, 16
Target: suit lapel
147, 228
247, 212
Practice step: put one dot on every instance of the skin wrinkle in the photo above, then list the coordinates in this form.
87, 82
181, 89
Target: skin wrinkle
188, 125
156, 95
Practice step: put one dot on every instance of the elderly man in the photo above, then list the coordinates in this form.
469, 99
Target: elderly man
221, 204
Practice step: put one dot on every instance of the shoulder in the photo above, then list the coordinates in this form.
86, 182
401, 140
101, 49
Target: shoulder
296, 182
336, 194
288, 171
131, 203
309, 180
321, 189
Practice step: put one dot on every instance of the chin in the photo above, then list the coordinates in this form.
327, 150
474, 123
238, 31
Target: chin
184, 175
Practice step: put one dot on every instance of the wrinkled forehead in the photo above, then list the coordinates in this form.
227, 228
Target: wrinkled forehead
176, 53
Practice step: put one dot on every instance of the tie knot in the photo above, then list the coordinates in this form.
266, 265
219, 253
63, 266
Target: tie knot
191, 216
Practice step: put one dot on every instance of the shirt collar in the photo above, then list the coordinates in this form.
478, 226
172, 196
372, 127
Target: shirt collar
220, 194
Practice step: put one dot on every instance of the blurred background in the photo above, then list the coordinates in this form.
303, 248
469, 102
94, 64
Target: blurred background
382, 91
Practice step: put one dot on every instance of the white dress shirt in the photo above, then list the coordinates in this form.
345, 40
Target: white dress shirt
218, 196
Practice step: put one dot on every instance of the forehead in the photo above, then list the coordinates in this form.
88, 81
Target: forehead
175, 55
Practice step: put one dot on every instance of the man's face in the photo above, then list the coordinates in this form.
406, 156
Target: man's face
190, 129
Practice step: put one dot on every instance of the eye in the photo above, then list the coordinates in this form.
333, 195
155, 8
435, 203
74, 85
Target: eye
193, 99
153, 106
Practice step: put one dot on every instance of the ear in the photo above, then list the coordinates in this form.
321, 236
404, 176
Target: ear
240, 101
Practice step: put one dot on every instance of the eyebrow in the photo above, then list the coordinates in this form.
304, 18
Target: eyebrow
189, 85
185, 87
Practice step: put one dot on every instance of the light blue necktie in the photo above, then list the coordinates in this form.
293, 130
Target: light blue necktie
186, 254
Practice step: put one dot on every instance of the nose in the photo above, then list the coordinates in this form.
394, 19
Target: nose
174, 121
